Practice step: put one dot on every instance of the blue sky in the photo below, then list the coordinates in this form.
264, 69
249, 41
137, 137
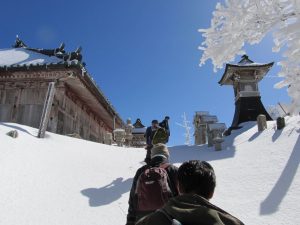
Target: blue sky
142, 53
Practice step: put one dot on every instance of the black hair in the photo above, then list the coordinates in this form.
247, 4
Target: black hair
154, 121
197, 176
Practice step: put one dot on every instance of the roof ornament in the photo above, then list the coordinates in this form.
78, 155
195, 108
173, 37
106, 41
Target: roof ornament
61, 48
57, 52
60, 51
19, 43
76, 54
245, 60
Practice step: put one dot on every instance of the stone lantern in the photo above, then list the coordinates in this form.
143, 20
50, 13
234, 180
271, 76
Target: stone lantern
200, 128
128, 133
244, 78
207, 120
108, 138
215, 134
119, 135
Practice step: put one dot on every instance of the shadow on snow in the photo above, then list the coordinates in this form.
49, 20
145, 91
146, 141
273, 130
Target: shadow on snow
17, 128
108, 193
178, 154
275, 197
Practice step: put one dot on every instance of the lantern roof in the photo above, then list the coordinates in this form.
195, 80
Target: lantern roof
244, 65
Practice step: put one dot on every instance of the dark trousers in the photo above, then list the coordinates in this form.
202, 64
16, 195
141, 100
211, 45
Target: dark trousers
148, 154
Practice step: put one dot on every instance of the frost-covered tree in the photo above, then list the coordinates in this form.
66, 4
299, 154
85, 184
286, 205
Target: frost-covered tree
247, 21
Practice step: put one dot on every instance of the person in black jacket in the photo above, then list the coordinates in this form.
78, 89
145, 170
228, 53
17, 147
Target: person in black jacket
150, 131
159, 156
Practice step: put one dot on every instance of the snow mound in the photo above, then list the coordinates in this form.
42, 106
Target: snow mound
61, 180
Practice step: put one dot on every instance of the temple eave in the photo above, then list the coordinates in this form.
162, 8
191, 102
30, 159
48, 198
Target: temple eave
233, 68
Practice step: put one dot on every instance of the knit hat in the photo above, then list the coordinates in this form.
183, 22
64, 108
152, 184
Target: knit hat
160, 150
154, 122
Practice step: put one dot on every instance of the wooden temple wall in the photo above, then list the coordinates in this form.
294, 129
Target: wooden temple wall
23, 103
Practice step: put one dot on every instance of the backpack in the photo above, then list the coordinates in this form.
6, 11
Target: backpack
160, 136
153, 189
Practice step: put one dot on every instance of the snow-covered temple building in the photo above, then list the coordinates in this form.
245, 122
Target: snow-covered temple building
138, 133
244, 77
78, 107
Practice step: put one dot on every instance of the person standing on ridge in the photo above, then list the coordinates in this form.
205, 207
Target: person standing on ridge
165, 124
150, 131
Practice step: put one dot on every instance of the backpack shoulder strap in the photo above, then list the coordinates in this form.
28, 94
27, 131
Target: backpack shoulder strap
172, 174
171, 183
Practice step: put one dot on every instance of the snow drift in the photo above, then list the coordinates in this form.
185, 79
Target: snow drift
61, 180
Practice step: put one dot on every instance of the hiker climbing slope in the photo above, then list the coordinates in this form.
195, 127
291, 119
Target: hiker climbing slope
152, 185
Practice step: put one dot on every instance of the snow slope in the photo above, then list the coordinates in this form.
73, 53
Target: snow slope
66, 181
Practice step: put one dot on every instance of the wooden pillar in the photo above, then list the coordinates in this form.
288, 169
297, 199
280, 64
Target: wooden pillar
46, 110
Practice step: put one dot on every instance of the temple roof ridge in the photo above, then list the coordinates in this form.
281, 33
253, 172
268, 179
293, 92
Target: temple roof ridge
58, 52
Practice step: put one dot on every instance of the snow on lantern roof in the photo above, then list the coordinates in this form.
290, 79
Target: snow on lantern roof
245, 64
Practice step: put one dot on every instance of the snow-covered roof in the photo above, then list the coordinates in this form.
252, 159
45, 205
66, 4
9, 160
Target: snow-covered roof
245, 64
21, 56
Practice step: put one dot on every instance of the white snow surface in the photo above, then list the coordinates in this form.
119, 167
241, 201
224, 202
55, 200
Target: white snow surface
22, 56
61, 180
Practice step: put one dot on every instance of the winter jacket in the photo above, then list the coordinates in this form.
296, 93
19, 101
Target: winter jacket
165, 124
133, 215
149, 135
190, 209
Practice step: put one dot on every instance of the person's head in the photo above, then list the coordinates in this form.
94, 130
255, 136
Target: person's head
167, 118
160, 150
154, 123
197, 177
